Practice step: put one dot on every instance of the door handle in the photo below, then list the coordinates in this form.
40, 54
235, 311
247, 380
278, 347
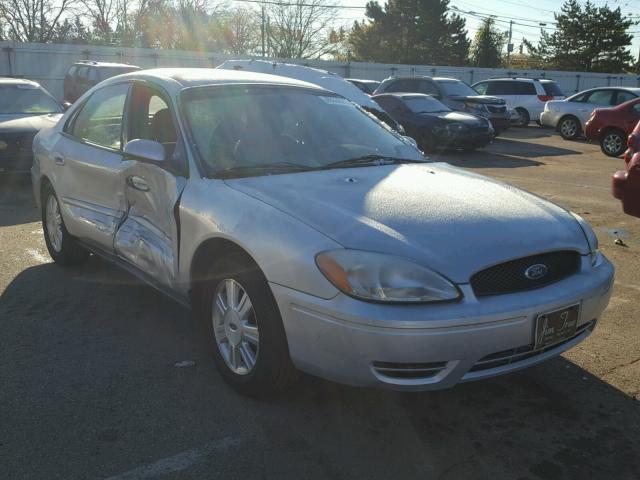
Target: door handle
138, 183
58, 159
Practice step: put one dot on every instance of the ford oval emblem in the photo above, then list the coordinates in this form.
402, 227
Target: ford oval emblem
535, 272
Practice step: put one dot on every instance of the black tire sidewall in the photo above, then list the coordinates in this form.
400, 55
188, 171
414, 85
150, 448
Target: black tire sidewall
70, 253
273, 365
523, 115
622, 144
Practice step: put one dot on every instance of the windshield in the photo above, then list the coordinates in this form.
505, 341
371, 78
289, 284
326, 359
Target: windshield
15, 99
253, 126
455, 88
425, 104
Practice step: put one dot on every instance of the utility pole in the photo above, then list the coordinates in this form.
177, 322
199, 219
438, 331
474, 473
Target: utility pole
509, 44
262, 32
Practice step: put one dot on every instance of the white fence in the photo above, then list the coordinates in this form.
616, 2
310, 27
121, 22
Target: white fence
47, 64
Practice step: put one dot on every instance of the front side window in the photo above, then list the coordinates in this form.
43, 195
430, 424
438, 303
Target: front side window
481, 88
27, 99
151, 118
248, 127
100, 118
455, 88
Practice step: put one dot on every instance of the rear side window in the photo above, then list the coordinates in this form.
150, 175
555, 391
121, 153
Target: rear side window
552, 88
100, 118
525, 88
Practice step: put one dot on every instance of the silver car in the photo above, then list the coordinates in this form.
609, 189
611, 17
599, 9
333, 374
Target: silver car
570, 115
308, 236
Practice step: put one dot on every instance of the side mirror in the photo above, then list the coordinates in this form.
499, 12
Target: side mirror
65, 106
145, 150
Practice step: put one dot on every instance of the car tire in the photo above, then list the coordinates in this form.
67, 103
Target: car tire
613, 142
524, 118
62, 246
250, 346
569, 127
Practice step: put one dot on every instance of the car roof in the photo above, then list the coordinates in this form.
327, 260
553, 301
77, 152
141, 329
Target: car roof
17, 81
361, 80
91, 63
195, 77
635, 90
402, 95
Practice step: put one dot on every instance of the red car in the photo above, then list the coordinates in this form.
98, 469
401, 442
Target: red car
611, 126
625, 184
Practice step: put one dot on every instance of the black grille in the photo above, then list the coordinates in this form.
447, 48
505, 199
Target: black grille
515, 355
510, 277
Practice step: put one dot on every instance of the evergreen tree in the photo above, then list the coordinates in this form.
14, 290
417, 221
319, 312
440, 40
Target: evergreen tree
486, 50
589, 39
410, 31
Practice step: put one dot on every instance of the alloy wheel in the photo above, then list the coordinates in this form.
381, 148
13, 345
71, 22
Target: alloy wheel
235, 327
612, 143
568, 128
54, 223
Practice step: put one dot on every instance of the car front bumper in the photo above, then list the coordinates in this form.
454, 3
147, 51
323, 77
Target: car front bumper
549, 119
359, 343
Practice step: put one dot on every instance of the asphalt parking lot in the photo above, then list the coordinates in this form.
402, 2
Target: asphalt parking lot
89, 386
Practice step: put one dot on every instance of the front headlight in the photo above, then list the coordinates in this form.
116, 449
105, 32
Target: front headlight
592, 240
384, 278
456, 127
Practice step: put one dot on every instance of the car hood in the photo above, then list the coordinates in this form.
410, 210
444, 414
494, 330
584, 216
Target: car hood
452, 221
19, 123
483, 99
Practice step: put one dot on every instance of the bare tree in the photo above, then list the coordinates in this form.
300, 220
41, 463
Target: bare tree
103, 14
33, 20
241, 31
300, 29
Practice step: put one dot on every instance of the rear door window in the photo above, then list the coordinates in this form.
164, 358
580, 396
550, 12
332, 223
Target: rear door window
601, 97
623, 96
501, 88
525, 88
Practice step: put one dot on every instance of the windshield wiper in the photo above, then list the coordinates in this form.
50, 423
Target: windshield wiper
264, 169
369, 160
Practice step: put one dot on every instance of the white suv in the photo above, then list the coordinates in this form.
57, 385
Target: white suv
527, 96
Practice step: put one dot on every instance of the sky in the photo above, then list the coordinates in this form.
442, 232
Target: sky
526, 14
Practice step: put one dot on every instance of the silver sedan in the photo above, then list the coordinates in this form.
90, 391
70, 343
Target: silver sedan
307, 236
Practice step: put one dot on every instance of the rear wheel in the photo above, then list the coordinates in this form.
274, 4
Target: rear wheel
245, 329
569, 128
62, 246
523, 117
612, 143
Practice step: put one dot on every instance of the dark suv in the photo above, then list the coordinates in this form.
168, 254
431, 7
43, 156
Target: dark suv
455, 94
83, 75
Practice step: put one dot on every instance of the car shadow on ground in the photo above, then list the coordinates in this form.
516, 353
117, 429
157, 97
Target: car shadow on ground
90, 390
530, 132
16, 201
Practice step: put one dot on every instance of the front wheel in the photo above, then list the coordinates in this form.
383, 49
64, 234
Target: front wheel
245, 329
612, 143
569, 128
62, 246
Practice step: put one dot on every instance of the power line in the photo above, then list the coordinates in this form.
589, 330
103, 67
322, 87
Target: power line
285, 4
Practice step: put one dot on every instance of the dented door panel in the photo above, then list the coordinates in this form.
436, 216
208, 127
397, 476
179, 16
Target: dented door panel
148, 237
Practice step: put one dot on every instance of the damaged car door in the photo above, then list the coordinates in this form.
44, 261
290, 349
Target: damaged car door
153, 178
